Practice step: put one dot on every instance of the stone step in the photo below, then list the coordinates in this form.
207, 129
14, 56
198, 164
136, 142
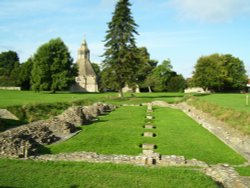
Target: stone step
148, 146
148, 126
149, 134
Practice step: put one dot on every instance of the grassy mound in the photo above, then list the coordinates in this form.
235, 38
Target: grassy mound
234, 116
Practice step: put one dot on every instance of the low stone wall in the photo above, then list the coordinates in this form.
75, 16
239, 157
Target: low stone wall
10, 88
142, 159
23, 141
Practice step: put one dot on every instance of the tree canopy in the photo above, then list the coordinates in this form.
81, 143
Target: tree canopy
121, 59
9, 64
53, 67
220, 73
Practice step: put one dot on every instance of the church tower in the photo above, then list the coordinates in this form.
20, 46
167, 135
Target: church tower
86, 79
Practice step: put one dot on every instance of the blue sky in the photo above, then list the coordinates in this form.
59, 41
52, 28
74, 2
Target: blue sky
181, 30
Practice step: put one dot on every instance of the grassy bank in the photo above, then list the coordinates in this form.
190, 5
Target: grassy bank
232, 101
235, 116
243, 171
72, 174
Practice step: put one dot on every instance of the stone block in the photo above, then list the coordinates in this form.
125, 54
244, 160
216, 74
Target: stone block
149, 126
149, 117
148, 134
148, 146
147, 152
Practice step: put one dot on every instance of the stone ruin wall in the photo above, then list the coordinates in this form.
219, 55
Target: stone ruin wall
24, 141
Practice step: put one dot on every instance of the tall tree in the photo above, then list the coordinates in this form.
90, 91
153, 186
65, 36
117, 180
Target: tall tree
121, 51
53, 69
9, 64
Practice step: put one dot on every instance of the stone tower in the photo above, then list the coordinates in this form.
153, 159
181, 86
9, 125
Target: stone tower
86, 79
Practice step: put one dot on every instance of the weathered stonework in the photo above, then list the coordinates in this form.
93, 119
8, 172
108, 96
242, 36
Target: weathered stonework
5, 114
227, 176
149, 117
148, 146
147, 158
149, 127
23, 141
86, 79
149, 134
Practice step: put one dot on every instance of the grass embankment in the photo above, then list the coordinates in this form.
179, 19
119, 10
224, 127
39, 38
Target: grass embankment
121, 133
233, 101
177, 134
229, 108
243, 171
75, 174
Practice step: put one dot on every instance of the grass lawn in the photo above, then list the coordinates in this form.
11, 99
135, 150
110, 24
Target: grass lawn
117, 133
235, 101
72, 174
243, 171
178, 134
13, 98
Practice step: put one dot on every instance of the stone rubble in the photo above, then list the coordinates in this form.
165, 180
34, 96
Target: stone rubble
24, 141
227, 176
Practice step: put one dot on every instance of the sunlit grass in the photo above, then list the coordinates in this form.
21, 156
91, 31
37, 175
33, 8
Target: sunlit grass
75, 174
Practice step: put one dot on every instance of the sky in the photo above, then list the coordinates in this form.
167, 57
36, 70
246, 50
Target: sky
179, 30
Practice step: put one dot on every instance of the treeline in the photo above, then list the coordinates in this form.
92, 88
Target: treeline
52, 69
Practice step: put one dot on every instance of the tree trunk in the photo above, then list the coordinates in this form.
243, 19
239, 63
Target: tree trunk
120, 93
149, 89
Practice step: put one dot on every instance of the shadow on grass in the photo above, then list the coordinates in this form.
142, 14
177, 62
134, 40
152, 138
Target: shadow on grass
41, 149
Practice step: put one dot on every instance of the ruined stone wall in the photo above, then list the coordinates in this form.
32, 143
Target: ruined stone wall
23, 141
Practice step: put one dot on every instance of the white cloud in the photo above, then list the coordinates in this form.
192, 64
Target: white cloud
211, 10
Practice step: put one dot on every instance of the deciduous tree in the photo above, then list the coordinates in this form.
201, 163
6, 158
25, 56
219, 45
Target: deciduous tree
53, 68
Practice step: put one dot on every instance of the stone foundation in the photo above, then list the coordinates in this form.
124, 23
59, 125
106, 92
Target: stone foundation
23, 141
150, 158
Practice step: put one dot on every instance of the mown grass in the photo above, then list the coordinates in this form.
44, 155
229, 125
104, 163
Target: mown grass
178, 134
243, 171
28, 173
234, 116
117, 133
233, 101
